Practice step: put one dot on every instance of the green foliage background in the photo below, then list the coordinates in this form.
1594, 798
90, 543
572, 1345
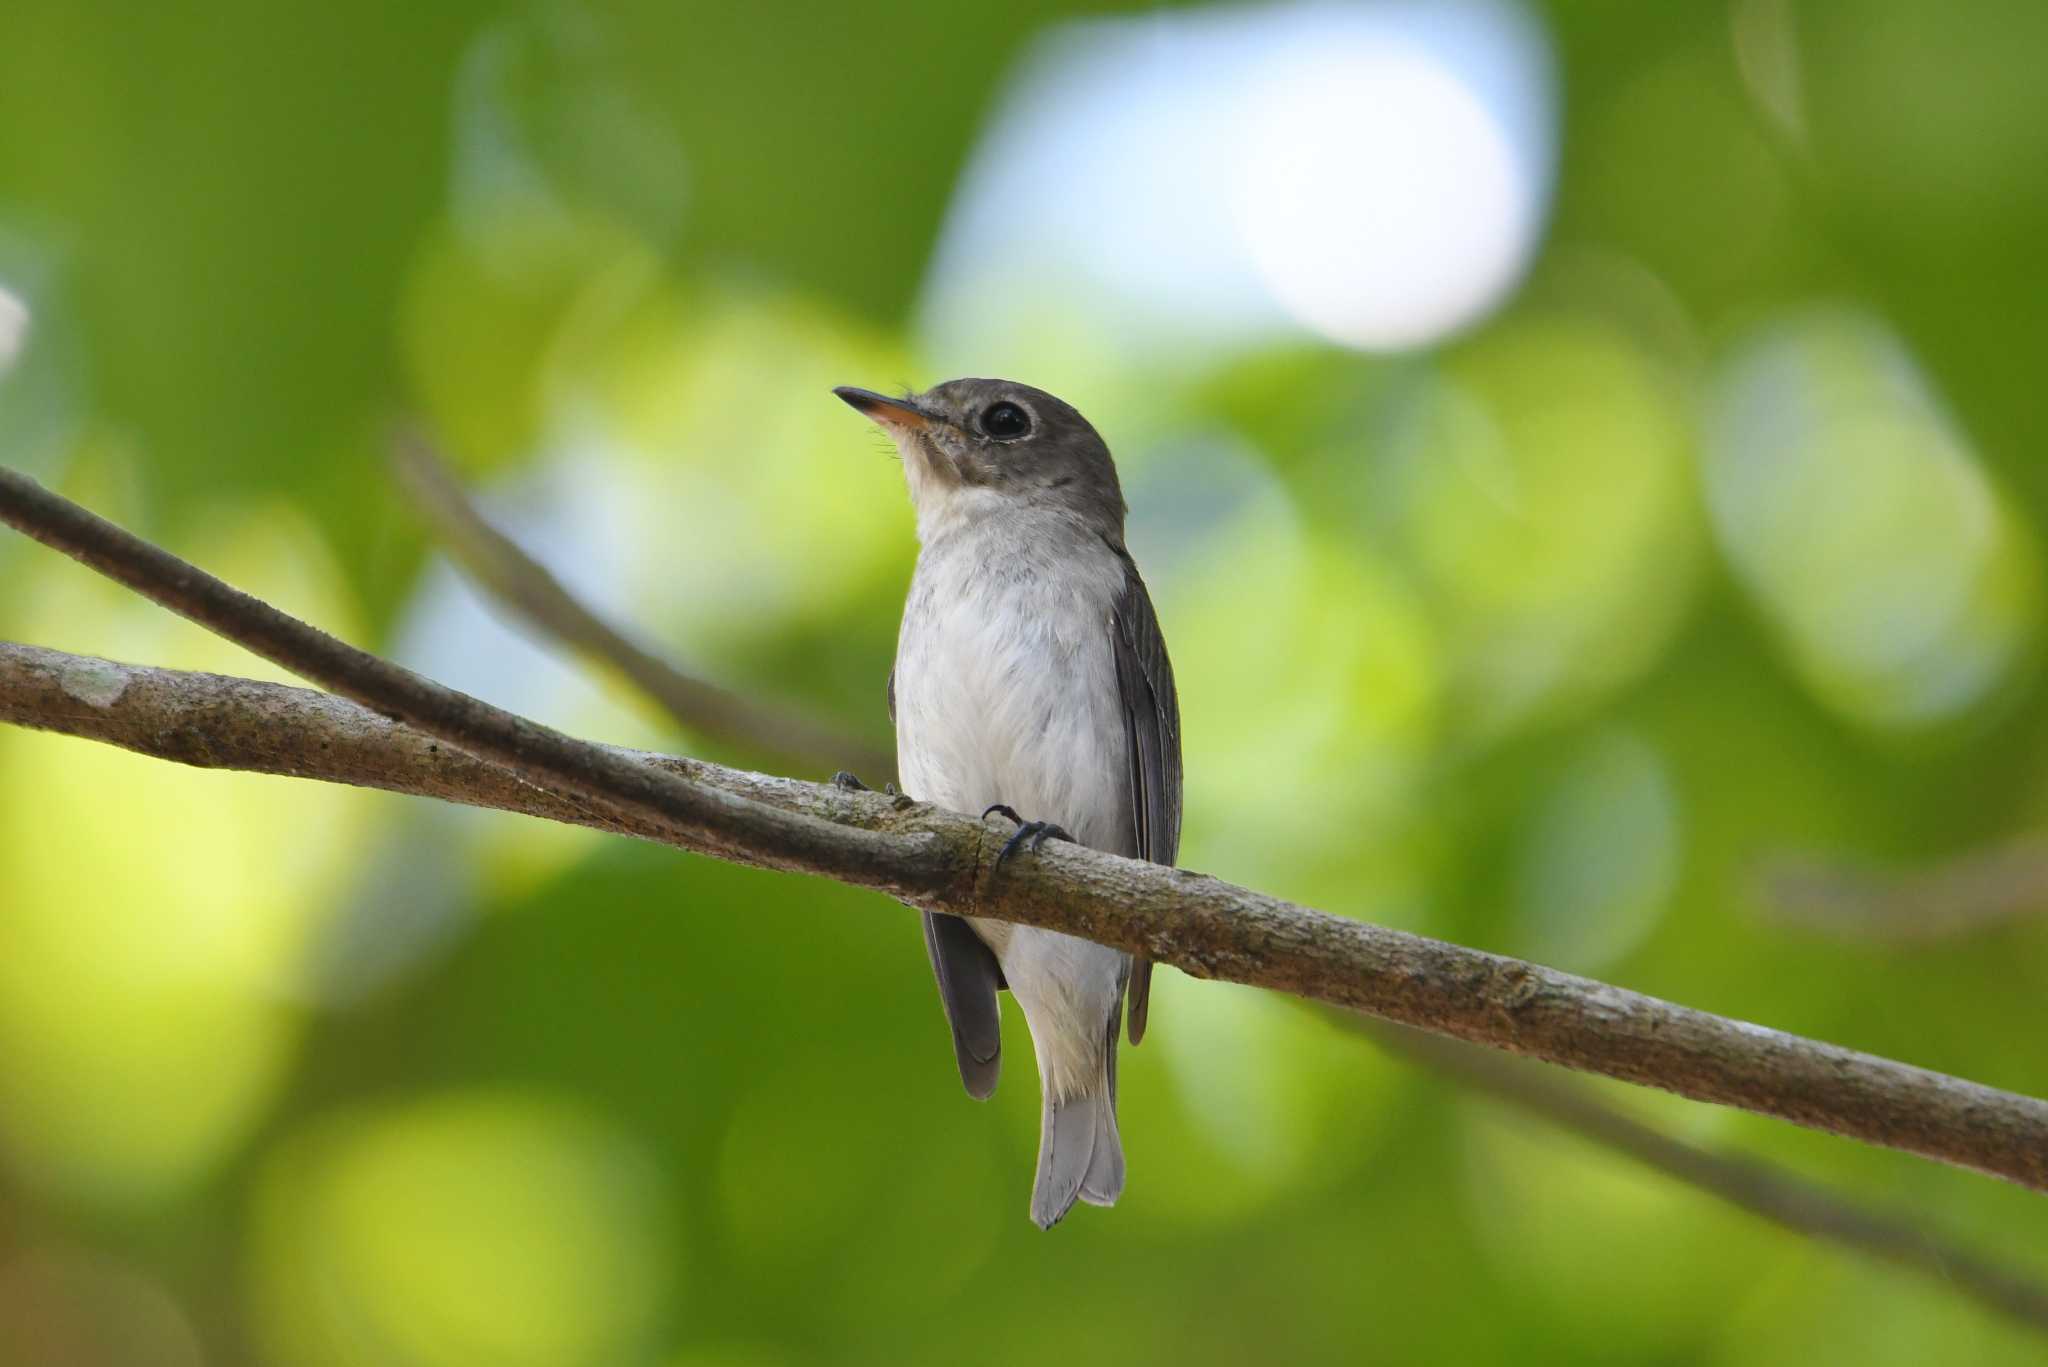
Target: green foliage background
305, 1076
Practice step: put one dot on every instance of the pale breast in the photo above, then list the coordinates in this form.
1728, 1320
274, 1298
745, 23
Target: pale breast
1006, 686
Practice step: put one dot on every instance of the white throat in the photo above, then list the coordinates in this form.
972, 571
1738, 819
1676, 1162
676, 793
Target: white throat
941, 501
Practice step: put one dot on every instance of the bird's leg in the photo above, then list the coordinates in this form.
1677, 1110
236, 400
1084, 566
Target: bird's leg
1035, 833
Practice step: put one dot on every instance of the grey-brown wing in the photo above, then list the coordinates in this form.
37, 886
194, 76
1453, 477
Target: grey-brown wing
1152, 735
968, 978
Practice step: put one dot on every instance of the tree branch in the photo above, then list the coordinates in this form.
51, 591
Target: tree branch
214, 721
938, 860
217, 721
531, 590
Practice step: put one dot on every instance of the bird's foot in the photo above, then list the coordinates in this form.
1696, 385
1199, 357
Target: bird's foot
1031, 833
1035, 833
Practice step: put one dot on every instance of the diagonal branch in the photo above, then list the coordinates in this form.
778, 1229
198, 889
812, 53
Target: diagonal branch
531, 590
218, 722
935, 860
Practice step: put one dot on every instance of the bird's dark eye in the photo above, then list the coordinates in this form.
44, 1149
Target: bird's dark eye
1005, 421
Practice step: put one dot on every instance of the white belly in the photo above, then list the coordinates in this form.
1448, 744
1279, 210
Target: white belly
1006, 691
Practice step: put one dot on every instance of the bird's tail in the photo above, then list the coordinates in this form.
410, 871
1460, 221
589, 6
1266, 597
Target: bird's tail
1080, 1152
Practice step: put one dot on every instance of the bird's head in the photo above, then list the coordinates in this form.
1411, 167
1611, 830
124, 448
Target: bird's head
976, 448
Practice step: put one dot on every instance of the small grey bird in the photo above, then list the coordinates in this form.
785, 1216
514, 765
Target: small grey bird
1031, 678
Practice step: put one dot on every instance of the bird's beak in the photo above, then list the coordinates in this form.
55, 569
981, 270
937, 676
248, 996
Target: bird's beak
885, 410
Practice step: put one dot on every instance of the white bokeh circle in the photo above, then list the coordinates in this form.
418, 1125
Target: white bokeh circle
1381, 201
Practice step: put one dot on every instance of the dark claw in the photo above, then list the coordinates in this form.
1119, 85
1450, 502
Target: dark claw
1034, 832
846, 780
1005, 809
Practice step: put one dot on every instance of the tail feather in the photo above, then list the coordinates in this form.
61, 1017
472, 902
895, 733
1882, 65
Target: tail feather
1080, 1150
1105, 1179
1080, 1157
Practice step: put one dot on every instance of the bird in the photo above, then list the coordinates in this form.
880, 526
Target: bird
1031, 678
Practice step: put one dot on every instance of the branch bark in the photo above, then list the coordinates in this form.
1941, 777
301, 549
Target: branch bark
940, 861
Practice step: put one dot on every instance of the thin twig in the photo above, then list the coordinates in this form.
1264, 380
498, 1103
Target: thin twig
706, 818
527, 587
938, 860
1968, 894
1760, 1188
